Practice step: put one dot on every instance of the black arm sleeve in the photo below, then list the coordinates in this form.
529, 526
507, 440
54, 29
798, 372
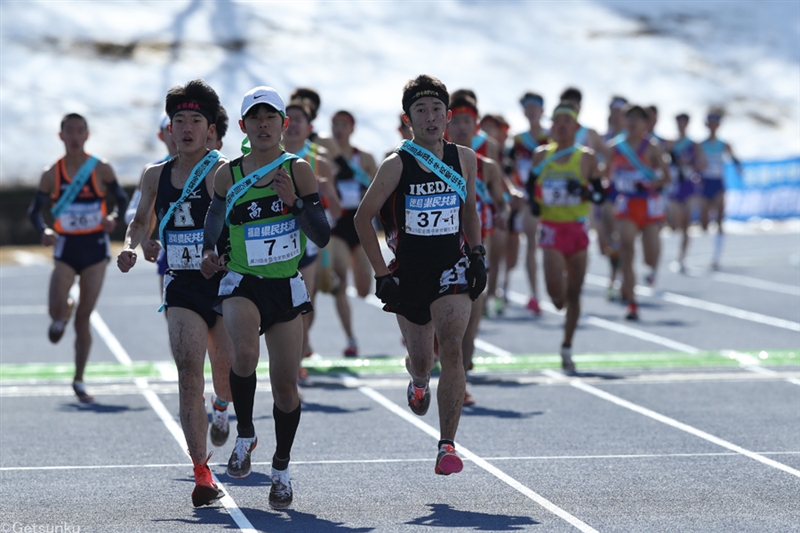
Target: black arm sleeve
598, 193
345, 171
313, 222
35, 211
215, 220
120, 196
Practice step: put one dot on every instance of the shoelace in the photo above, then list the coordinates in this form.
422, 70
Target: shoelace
240, 451
281, 485
220, 418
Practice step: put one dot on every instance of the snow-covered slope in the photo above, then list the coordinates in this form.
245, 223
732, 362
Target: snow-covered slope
114, 60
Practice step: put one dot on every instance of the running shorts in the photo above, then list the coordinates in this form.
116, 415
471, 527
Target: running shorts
190, 290
82, 251
419, 288
566, 237
641, 211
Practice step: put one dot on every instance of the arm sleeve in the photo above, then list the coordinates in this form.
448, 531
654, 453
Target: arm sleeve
215, 220
598, 193
35, 211
313, 222
133, 206
345, 170
120, 196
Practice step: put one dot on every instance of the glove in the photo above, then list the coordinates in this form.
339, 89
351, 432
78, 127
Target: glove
388, 291
476, 272
575, 188
536, 209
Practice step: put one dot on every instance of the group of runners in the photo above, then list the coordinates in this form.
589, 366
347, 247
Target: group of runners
244, 244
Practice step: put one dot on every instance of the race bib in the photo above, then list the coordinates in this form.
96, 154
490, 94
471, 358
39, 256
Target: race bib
714, 168
272, 242
184, 249
524, 169
349, 193
625, 180
435, 214
655, 206
81, 217
554, 192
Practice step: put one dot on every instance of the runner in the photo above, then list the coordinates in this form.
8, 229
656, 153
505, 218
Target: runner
712, 183
637, 168
77, 186
346, 251
490, 203
521, 218
564, 178
585, 136
273, 206
179, 192
430, 221
686, 162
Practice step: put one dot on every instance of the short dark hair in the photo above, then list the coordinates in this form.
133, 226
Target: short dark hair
198, 96
313, 101
422, 86
222, 123
636, 110
461, 93
70, 116
303, 105
347, 114
651, 109
464, 100
572, 94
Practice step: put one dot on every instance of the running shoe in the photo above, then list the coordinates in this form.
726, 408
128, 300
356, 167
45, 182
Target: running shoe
650, 279
352, 348
567, 365
80, 391
447, 462
533, 305
219, 424
419, 399
280, 493
57, 327
239, 463
205, 490
469, 400
612, 294
633, 312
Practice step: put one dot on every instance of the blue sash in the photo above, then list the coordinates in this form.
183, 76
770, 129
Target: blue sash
681, 145
582, 136
438, 167
479, 140
547, 160
196, 177
627, 152
483, 192
75, 186
360, 175
242, 186
304, 151
528, 141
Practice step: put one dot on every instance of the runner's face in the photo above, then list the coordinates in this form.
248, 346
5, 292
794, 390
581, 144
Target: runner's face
461, 129
563, 129
342, 128
299, 128
636, 125
263, 127
74, 134
429, 117
189, 131
682, 124
533, 112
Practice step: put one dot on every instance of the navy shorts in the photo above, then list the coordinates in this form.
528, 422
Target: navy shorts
277, 299
711, 187
189, 289
419, 288
82, 251
345, 229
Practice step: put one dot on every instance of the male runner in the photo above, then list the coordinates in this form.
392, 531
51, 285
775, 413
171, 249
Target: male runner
584, 136
179, 192
637, 168
346, 251
563, 180
77, 185
712, 184
490, 203
272, 203
427, 205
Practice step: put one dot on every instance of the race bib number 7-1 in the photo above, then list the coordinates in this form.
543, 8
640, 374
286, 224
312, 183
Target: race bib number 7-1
435, 214
272, 242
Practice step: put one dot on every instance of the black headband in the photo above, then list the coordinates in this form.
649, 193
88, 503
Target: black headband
427, 89
192, 105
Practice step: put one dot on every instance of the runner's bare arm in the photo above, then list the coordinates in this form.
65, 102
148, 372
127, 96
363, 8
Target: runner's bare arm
386, 180
137, 229
655, 157
109, 180
46, 186
311, 217
327, 190
215, 220
369, 165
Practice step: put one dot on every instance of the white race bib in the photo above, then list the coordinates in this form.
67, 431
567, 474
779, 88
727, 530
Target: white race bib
655, 206
349, 193
435, 214
81, 216
272, 242
184, 249
714, 167
554, 192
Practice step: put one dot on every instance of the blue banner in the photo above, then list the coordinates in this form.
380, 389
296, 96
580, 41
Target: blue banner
766, 189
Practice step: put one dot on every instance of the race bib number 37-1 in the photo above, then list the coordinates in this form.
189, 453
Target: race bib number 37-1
272, 242
184, 249
435, 214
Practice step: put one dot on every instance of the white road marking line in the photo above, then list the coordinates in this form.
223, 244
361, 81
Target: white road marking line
748, 362
754, 283
681, 426
547, 504
23, 310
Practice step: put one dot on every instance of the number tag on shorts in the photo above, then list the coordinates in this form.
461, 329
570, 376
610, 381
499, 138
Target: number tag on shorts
185, 249
81, 217
625, 180
272, 242
435, 214
349, 193
554, 192
655, 206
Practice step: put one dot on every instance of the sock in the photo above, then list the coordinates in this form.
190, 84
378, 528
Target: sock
243, 394
220, 405
446, 441
285, 429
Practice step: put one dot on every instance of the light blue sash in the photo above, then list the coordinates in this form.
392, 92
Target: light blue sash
483, 192
360, 175
626, 150
304, 151
479, 140
438, 167
75, 186
528, 141
242, 186
681, 145
547, 160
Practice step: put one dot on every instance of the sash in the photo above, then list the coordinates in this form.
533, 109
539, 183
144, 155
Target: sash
478, 140
582, 136
681, 145
483, 192
628, 153
549, 159
245, 145
360, 176
198, 174
242, 186
437, 166
528, 141
304, 152
75, 186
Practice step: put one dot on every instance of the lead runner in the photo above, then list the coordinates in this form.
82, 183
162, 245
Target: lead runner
425, 195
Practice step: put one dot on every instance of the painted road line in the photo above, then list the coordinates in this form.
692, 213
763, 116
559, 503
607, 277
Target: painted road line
502, 476
753, 363
681, 426
753, 283
704, 305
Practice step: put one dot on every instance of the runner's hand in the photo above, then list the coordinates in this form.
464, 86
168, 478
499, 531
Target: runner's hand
126, 259
151, 248
211, 264
49, 237
108, 224
388, 291
283, 185
476, 275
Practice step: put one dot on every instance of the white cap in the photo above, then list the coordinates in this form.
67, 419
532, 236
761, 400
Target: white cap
263, 95
163, 122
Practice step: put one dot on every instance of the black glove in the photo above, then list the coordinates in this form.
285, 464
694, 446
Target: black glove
388, 291
476, 272
575, 188
536, 209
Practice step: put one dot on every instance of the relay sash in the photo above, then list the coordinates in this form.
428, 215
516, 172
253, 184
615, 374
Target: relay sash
438, 167
627, 152
547, 160
72, 190
242, 186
